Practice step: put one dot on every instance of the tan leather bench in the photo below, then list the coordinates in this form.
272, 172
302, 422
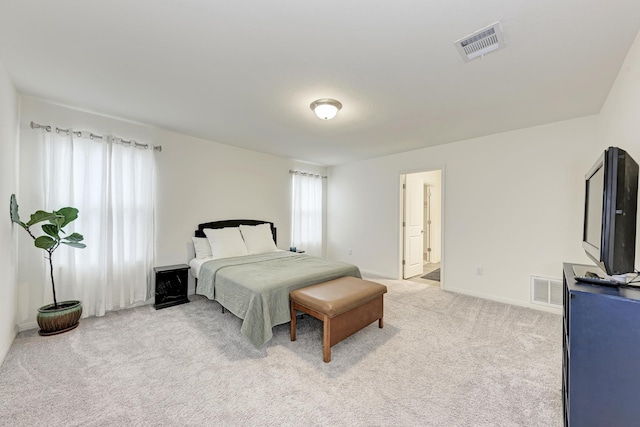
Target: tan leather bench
345, 306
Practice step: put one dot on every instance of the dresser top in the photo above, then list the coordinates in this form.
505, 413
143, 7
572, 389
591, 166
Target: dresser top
628, 292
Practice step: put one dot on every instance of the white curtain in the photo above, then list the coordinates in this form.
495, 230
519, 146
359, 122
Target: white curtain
307, 213
112, 186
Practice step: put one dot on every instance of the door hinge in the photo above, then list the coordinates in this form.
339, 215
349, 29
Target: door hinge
403, 262
404, 224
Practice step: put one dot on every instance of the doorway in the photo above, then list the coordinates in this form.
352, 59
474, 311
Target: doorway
421, 226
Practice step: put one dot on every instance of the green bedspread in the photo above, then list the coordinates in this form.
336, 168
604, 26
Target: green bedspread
256, 287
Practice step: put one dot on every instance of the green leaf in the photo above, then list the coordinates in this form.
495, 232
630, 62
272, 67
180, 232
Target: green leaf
68, 214
57, 221
13, 211
40, 216
44, 242
74, 237
75, 244
51, 230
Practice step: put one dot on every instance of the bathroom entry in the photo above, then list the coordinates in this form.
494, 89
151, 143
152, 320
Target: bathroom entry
421, 224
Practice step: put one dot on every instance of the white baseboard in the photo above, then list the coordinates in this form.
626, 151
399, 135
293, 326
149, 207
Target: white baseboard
34, 325
505, 300
27, 326
375, 273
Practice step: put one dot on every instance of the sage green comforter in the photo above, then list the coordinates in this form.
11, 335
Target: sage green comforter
256, 287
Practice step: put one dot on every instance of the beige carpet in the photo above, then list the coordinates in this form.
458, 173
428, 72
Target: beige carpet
442, 359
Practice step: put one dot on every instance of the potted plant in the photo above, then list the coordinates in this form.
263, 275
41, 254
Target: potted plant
60, 316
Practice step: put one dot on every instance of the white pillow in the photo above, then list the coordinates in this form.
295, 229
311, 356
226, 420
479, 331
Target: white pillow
258, 238
225, 242
202, 247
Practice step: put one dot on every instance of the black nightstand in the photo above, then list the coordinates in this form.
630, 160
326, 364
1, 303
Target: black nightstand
171, 285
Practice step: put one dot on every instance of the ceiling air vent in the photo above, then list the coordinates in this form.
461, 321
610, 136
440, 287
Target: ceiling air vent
481, 42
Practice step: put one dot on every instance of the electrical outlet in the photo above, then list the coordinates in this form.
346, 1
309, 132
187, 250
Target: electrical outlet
350, 252
479, 271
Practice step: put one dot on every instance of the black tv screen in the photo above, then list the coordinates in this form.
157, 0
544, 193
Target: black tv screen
611, 202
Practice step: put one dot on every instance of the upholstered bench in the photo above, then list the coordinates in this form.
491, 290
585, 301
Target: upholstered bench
345, 305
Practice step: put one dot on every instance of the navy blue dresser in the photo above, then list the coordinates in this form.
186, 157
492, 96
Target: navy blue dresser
601, 363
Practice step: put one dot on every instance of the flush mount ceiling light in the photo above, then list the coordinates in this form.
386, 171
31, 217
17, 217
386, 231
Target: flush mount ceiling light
326, 108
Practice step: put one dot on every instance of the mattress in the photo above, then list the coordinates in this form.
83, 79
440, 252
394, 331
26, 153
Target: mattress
196, 264
256, 287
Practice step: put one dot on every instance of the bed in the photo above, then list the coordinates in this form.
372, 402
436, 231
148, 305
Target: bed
254, 285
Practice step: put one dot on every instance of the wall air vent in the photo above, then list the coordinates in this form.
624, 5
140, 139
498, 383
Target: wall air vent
481, 42
546, 291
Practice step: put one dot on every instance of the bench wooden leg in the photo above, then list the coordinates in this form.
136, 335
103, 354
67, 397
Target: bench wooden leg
292, 329
326, 344
342, 326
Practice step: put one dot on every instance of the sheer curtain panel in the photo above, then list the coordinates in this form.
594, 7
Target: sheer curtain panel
112, 186
307, 213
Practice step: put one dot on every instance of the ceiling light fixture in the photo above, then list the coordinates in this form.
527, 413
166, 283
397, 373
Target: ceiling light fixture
326, 108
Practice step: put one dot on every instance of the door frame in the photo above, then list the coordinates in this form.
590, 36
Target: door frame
400, 231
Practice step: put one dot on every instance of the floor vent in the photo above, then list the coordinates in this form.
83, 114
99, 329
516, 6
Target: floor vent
481, 42
546, 291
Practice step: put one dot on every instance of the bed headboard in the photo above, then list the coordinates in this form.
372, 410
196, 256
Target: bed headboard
234, 223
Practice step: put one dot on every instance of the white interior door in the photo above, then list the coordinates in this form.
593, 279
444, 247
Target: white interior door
413, 226
428, 232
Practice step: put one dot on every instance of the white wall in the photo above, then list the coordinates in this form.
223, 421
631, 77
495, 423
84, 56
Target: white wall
197, 181
8, 233
620, 115
512, 205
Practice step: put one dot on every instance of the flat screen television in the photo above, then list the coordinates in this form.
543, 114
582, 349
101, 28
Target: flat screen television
610, 210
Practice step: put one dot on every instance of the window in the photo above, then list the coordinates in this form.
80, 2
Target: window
112, 186
307, 211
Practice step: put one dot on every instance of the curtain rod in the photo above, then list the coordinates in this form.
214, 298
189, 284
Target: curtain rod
294, 172
92, 136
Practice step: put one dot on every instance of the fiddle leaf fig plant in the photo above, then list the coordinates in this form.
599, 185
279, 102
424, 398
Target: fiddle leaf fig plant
54, 234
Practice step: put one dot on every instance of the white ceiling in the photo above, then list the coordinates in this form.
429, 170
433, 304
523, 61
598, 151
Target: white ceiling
243, 73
